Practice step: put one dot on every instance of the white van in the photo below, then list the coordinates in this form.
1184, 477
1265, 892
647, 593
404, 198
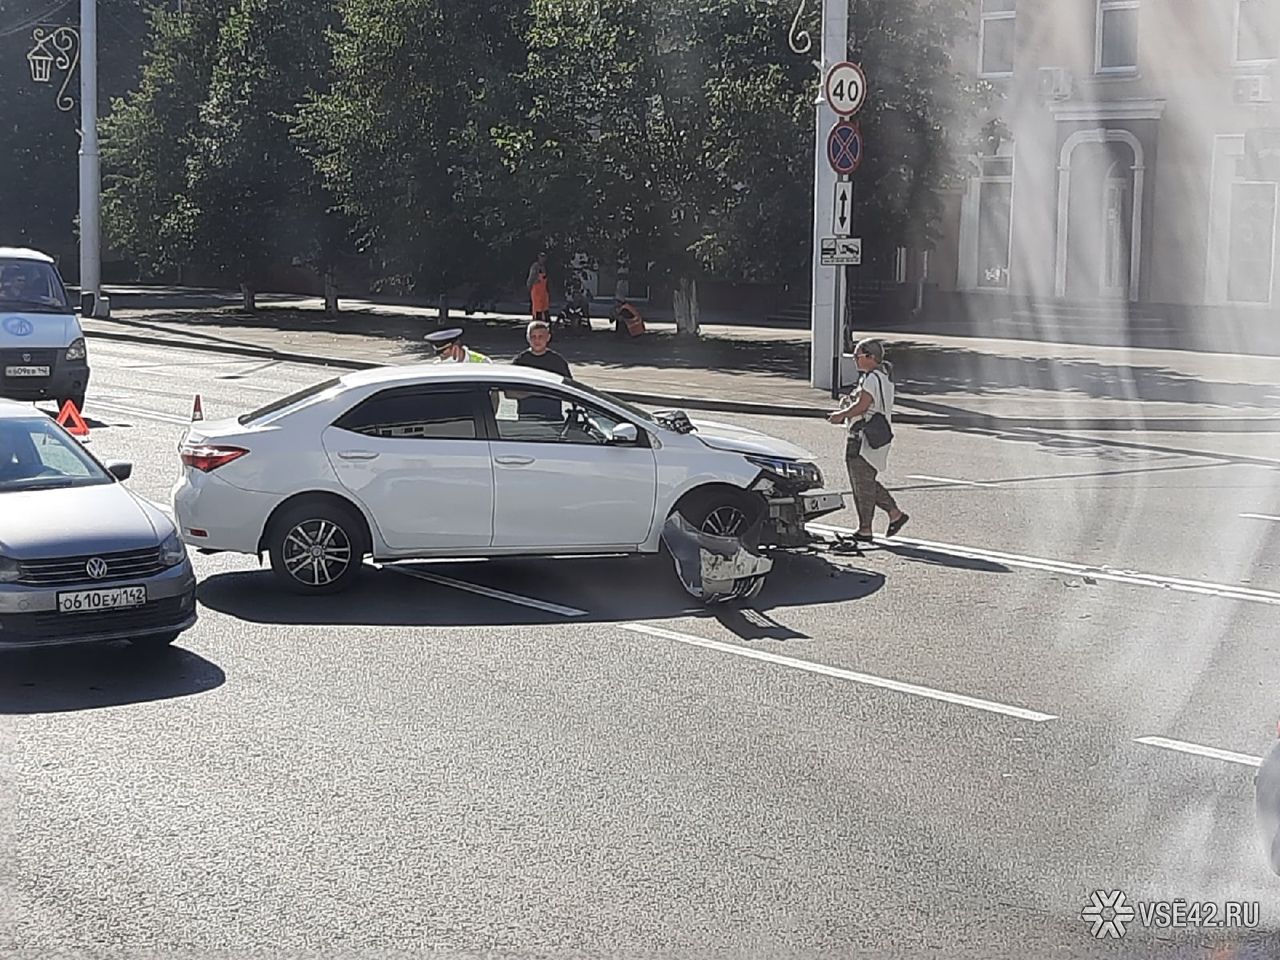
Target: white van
42, 351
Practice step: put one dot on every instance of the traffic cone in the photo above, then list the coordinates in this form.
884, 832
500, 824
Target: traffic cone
197, 411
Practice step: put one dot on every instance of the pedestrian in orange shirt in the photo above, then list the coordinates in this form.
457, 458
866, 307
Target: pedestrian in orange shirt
540, 289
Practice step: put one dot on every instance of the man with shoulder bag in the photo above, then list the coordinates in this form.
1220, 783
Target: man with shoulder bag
869, 415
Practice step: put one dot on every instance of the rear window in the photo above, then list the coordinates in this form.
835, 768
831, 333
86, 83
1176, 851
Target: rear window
285, 402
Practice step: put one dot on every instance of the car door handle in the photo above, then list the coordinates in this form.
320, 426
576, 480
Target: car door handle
513, 461
357, 455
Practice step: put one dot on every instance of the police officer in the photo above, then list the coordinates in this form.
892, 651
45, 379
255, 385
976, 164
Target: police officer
450, 348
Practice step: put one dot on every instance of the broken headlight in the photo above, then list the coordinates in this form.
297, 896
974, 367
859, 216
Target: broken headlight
794, 473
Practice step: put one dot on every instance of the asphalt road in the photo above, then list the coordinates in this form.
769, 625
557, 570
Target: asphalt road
1055, 684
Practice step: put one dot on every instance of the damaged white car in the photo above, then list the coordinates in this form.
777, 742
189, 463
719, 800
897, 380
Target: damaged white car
469, 460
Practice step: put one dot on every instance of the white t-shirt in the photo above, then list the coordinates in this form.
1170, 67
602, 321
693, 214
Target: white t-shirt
880, 388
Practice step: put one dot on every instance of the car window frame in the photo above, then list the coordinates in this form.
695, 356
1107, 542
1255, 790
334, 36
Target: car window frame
643, 438
476, 396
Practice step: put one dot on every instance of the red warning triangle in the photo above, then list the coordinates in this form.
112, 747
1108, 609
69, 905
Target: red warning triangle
71, 419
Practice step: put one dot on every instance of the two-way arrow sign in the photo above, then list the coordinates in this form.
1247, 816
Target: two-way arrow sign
842, 212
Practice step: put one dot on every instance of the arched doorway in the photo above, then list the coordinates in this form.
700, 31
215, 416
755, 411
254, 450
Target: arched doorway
1099, 216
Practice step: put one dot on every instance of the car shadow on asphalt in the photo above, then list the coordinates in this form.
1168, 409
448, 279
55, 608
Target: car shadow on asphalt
565, 591
95, 676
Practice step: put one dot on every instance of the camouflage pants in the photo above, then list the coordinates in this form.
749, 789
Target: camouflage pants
868, 492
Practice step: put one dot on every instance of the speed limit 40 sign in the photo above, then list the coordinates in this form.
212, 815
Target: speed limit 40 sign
846, 88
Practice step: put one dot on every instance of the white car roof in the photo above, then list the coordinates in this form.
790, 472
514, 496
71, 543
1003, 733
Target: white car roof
23, 253
449, 373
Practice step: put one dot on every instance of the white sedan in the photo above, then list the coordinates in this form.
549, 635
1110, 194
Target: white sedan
463, 460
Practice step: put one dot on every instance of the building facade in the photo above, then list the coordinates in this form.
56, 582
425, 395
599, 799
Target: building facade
1133, 164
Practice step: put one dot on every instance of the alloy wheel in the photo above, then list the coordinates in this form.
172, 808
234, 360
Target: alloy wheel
317, 552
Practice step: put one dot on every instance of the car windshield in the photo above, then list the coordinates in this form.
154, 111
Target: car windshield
284, 403
630, 408
31, 286
35, 454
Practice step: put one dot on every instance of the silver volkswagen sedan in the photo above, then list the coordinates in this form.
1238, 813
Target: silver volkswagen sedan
82, 558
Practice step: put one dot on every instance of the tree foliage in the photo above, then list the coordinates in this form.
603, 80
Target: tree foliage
458, 136
406, 137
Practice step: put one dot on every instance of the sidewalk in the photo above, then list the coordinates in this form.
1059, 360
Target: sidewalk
952, 382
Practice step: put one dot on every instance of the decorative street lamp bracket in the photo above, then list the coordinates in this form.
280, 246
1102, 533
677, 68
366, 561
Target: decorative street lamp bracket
56, 48
801, 40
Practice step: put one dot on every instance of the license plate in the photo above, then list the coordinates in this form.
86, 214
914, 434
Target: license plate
823, 501
93, 601
26, 371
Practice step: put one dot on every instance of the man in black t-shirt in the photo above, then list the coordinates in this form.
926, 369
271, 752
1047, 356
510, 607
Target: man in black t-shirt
542, 357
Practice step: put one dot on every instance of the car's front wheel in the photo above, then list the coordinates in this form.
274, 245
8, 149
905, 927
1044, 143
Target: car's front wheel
317, 547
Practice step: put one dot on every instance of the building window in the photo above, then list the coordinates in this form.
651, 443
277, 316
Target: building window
1257, 30
1117, 36
995, 222
995, 38
1251, 254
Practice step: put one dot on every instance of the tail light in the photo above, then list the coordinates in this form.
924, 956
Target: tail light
207, 457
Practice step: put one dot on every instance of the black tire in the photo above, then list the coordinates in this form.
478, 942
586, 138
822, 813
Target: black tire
154, 643
720, 513
300, 531
77, 399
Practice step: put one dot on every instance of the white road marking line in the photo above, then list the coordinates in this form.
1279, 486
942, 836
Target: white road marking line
1212, 753
487, 591
1259, 516
860, 678
1202, 587
123, 410
951, 481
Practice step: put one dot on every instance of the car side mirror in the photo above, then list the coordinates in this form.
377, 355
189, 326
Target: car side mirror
624, 433
120, 469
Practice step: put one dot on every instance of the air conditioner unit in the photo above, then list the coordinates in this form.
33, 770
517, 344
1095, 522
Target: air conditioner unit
1257, 89
1055, 83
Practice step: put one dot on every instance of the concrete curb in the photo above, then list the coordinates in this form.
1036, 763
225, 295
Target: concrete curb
946, 421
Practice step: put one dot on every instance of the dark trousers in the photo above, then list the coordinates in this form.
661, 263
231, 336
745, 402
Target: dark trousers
868, 492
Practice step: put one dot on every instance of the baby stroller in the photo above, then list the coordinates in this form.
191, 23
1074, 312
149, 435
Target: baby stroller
576, 313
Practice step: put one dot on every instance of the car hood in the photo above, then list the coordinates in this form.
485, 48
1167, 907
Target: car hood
724, 436
36, 524
38, 331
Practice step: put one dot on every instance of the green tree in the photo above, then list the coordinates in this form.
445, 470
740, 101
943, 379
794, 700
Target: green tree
255, 196
204, 162
688, 125
150, 137
407, 138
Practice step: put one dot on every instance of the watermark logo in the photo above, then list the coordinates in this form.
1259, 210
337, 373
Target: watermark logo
1107, 914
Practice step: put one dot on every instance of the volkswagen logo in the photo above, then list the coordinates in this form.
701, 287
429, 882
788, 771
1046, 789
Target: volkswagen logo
18, 326
96, 568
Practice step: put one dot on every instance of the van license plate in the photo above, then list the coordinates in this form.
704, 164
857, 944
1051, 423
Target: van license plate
26, 371
92, 601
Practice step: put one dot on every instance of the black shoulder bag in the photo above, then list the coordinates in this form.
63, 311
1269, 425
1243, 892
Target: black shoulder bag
876, 428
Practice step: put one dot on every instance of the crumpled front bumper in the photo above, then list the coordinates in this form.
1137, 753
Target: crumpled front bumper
716, 569
788, 514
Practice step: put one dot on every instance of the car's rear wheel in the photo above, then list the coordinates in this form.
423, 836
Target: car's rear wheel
317, 547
